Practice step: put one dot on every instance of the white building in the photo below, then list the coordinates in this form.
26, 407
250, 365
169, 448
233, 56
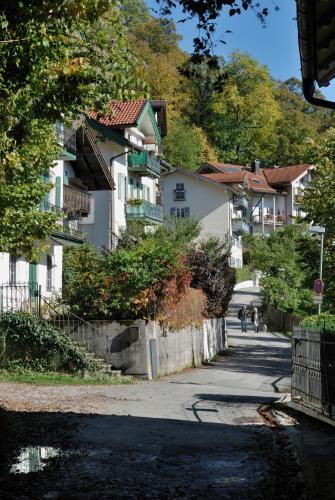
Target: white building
274, 194
128, 141
78, 170
218, 207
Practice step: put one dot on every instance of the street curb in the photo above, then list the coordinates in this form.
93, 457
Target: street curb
282, 403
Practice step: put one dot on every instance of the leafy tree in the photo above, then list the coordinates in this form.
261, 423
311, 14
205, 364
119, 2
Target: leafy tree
319, 205
298, 122
187, 146
245, 112
287, 259
57, 59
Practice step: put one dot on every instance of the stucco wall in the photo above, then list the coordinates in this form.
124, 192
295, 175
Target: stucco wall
144, 348
207, 202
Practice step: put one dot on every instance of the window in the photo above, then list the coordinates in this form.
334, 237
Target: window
49, 273
179, 192
180, 212
131, 188
12, 269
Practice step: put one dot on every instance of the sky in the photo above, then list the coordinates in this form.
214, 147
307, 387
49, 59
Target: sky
275, 46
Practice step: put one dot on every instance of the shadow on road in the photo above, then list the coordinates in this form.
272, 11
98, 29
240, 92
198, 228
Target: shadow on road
108, 456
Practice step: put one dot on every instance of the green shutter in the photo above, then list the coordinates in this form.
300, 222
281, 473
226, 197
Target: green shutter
58, 191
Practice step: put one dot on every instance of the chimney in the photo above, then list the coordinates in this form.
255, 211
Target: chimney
256, 167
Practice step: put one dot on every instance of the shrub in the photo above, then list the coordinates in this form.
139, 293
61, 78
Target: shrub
211, 271
325, 322
145, 268
32, 343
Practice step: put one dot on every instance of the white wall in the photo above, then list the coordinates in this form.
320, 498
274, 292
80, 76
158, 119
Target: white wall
207, 202
109, 213
54, 250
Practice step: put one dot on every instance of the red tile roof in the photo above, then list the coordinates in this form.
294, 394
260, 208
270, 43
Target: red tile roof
283, 175
123, 114
231, 178
256, 183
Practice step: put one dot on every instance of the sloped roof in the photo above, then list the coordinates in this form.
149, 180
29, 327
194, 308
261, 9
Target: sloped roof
258, 183
284, 175
123, 114
253, 182
231, 178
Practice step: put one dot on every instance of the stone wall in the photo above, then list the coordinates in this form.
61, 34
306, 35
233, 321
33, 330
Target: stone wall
144, 348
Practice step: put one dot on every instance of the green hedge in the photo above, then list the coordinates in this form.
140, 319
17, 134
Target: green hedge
29, 342
325, 322
242, 274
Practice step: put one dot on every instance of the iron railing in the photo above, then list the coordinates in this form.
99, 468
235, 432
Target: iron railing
81, 331
27, 297
20, 297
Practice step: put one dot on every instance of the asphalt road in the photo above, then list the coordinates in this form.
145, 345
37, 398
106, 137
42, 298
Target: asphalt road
204, 433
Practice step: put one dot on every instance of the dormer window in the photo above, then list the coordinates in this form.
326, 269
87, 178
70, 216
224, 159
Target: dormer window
179, 192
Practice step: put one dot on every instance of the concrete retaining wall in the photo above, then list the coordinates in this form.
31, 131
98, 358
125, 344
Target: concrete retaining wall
144, 348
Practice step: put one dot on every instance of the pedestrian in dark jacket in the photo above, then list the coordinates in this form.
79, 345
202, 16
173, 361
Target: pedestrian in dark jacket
243, 316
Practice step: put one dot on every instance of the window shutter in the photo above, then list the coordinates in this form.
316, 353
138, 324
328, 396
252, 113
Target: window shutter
126, 188
58, 191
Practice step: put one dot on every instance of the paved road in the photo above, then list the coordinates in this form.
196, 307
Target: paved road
194, 435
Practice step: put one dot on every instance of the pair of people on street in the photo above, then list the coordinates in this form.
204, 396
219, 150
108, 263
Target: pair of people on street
243, 317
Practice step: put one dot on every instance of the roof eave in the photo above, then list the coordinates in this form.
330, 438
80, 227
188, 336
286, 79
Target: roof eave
307, 36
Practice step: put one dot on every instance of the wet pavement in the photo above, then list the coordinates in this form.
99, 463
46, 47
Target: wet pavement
206, 433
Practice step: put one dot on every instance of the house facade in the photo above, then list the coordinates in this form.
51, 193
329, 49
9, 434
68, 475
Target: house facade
274, 194
129, 142
72, 176
187, 194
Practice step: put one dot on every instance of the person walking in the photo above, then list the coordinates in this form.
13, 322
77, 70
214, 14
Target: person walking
243, 316
255, 318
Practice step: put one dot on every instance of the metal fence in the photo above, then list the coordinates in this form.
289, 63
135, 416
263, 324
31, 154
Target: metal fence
313, 370
27, 297
20, 297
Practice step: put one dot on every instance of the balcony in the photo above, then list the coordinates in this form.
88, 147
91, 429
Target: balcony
66, 138
76, 200
64, 228
144, 164
241, 203
67, 231
268, 219
240, 226
145, 211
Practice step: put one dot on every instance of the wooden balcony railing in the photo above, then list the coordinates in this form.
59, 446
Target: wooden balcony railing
75, 200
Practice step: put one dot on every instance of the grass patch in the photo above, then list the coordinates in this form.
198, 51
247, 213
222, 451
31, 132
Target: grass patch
55, 378
242, 274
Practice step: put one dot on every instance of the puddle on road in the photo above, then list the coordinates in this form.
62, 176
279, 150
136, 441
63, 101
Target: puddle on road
33, 459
